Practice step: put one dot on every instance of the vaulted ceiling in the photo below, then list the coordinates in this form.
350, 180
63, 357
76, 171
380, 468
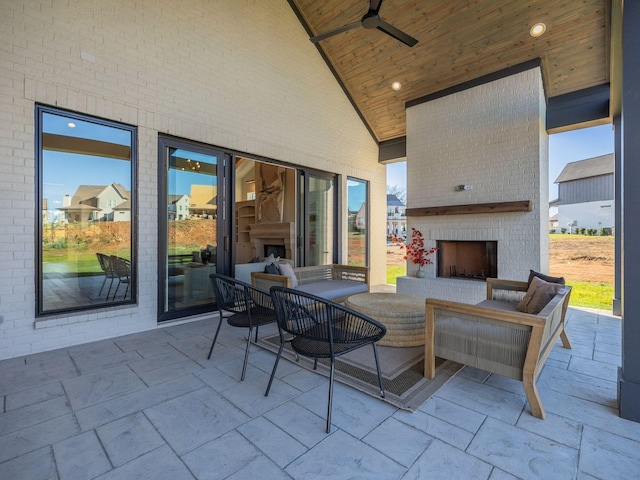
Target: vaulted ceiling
458, 41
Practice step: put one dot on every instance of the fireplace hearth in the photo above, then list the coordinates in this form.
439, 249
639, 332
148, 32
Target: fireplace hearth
467, 260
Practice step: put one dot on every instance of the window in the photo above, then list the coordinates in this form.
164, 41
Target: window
357, 203
86, 203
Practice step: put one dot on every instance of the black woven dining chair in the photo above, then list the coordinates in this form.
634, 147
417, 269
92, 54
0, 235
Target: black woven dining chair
249, 307
319, 328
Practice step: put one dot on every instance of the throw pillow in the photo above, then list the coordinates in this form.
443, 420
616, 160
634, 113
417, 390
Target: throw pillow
287, 270
546, 278
272, 268
271, 259
538, 295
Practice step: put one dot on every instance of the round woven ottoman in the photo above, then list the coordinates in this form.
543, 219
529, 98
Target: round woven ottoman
403, 316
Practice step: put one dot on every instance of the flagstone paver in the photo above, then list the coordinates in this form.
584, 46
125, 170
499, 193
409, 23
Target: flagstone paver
151, 405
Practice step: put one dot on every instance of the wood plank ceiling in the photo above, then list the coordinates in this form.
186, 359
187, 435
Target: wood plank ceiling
458, 41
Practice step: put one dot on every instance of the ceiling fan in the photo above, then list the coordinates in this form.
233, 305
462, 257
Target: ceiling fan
370, 20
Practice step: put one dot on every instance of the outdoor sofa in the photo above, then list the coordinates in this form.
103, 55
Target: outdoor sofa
331, 282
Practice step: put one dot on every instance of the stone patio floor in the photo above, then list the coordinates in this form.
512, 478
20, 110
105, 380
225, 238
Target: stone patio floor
151, 406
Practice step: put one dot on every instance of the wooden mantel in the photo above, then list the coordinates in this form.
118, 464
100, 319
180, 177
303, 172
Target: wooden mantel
497, 207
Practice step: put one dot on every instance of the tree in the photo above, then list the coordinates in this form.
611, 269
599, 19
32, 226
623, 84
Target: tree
399, 192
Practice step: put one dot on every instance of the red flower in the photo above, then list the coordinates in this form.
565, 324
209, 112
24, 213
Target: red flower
415, 250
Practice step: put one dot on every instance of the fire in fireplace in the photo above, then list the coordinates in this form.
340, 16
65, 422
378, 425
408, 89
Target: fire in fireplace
469, 260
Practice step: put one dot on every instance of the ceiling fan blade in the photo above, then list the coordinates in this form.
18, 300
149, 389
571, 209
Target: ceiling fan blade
374, 6
335, 31
397, 34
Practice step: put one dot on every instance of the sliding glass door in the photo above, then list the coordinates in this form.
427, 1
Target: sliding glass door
192, 226
221, 212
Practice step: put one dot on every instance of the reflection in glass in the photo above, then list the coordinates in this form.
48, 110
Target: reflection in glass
358, 222
192, 197
85, 175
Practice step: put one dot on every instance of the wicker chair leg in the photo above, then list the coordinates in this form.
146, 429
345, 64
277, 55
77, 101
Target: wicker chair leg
109, 291
215, 336
246, 356
275, 366
330, 397
102, 287
375, 354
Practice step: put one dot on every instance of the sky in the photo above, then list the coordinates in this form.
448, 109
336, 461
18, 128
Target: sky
563, 148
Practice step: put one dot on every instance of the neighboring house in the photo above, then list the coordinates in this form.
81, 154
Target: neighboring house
553, 222
178, 208
122, 212
202, 201
97, 203
396, 216
586, 194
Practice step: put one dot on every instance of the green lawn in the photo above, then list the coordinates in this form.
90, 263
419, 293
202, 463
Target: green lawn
73, 261
591, 294
395, 271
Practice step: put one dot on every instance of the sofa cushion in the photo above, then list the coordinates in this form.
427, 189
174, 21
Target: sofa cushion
287, 271
546, 278
331, 289
538, 295
499, 305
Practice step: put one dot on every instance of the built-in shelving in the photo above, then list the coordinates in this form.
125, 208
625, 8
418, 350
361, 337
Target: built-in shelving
245, 216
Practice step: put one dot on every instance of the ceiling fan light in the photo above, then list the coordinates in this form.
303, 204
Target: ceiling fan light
396, 86
538, 29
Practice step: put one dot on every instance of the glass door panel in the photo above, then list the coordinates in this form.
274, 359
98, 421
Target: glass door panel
320, 224
191, 233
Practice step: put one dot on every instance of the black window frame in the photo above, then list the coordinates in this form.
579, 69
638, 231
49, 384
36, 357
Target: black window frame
40, 110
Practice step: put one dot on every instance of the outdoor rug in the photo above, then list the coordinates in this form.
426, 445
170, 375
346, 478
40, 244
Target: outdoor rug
401, 367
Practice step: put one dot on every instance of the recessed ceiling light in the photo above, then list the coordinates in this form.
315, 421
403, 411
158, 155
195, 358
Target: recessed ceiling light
396, 86
71, 125
538, 29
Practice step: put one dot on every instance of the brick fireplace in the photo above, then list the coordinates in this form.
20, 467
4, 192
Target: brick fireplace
265, 235
491, 138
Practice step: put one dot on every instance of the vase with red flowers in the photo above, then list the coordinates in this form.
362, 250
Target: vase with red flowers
416, 251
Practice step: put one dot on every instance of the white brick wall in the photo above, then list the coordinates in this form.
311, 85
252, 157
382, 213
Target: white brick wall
492, 137
239, 74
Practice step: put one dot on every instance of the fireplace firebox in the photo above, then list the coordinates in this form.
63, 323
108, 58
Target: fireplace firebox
468, 260
275, 250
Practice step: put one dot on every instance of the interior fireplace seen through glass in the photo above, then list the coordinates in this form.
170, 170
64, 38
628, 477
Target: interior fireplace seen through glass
469, 260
